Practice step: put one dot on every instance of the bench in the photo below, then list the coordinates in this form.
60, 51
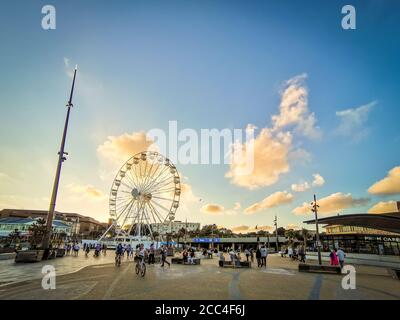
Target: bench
29, 256
229, 264
303, 267
60, 253
196, 261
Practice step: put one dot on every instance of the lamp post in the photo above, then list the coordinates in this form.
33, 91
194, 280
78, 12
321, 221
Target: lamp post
61, 159
276, 232
315, 210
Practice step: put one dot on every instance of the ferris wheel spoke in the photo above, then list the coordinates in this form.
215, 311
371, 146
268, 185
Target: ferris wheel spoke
127, 215
130, 179
161, 181
163, 191
152, 213
163, 186
160, 205
161, 198
119, 215
124, 183
156, 212
155, 179
147, 177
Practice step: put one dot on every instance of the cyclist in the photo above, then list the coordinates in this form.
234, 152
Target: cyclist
140, 264
119, 251
141, 252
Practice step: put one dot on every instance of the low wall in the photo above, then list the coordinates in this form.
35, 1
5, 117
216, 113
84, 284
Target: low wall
363, 259
6, 256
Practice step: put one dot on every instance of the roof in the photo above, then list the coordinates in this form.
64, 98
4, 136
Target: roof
12, 220
386, 221
43, 213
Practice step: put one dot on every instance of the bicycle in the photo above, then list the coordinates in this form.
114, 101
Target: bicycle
117, 260
140, 267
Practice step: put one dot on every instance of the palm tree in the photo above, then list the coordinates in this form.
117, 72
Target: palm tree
290, 234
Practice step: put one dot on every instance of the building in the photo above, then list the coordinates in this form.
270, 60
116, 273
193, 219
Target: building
362, 233
236, 242
81, 226
174, 227
11, 224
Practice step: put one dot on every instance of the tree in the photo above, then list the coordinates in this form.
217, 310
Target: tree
305, 235
281, 231
290, 234
182, 234
13, 238
37, 230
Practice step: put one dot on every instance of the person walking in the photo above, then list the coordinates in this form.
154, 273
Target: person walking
333, 258
247, 253
341, 255
151, 254
290, 252
264, 254
302, 254
252, 255
258, 257
164, 257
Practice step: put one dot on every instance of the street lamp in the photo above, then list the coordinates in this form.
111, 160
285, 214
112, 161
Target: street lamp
276, 232
315, 210
61, 159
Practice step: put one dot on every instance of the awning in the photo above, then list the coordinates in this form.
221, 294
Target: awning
389, 222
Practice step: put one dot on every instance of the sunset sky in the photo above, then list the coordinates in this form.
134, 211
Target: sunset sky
324, 100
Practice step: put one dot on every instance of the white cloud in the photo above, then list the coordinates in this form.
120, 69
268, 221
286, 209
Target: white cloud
273, 146
293, 109
388, 185
384, 207
247, 229
118, 149
273, 200
300, 187
332, 204
87, 191
270, 161
318, 180
352, 121
213, 209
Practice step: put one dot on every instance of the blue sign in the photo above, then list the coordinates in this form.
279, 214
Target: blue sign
206, 240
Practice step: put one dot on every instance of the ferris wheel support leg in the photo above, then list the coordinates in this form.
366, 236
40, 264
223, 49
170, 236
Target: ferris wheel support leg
104, 234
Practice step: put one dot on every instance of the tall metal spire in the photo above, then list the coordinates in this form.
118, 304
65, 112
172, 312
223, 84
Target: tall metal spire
61, 159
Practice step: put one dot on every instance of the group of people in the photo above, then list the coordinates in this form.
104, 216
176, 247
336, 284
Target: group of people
142, 253
336, 257
98, 248
189, 255
298, 253
72, 248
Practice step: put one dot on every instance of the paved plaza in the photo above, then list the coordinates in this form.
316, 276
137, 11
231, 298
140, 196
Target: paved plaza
91, 278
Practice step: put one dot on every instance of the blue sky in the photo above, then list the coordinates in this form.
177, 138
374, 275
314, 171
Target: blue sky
205, 64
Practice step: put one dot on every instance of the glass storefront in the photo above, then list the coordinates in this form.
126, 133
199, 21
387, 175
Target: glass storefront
369, 244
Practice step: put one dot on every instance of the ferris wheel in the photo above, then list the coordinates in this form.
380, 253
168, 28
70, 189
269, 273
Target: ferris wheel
146, 190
